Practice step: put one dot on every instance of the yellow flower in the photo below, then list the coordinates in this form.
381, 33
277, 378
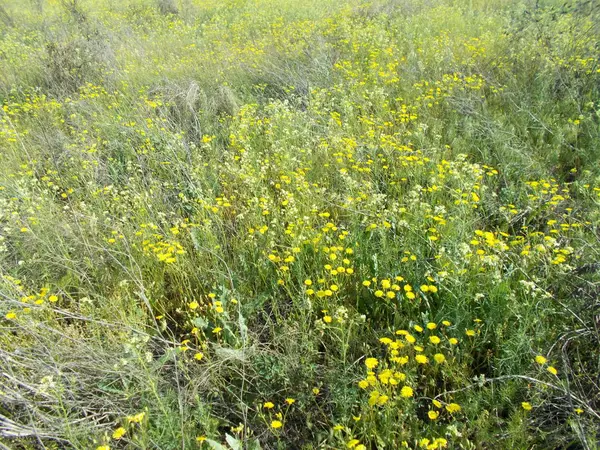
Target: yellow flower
200, 438
371, 363
327, 319
308, 282
363, 384
316, 391
470, 333
352, 443
418, 328
137, 418
290, 401
193, 305
434, 340
10, 316
453, 341
421, 359
53, 299
390, 294
276, 424
526, 406
431, 326
540, 359
439, 358
410, 338
382, 400
433, 415
198, 356
119, 433
378, 293
103, 447
437, 403
446, 323
268, 405
366, 283
552, 370
453, 407
217, 330
406, 392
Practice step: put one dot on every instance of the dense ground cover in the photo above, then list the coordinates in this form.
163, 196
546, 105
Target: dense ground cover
317, 224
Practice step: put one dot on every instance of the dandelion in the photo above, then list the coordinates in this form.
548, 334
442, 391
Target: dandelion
540, 359
371, 363
431, 326
136, 418
53, 299
198, 356
379, 294
421, 359
217, 330
327, 319
552, 370
433, 415
308, 282
268, 405
316, 391
193, 305
526, 406
382, 400
406, 392
363, 384
453, 341
439, 358
470, 333
10, 316
119, 433
290, 401
453, 407
434, 340
276, 424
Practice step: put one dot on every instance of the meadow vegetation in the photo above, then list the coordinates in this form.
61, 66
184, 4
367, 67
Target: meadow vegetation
317, 224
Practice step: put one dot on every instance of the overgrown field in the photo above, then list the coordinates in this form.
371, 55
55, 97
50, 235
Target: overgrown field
284, 224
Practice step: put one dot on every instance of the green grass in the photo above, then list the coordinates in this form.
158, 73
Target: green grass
278, 224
